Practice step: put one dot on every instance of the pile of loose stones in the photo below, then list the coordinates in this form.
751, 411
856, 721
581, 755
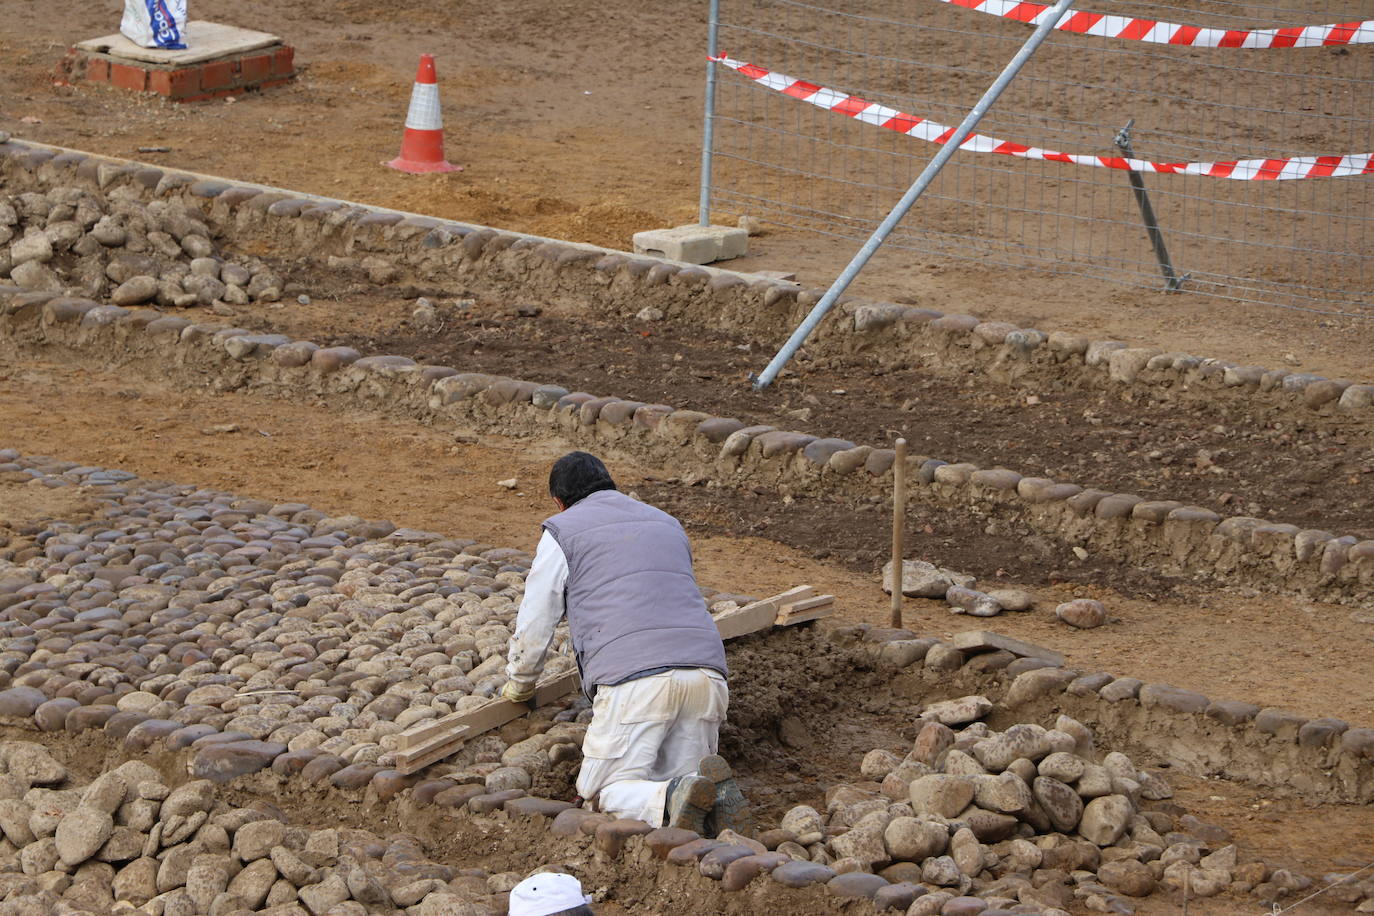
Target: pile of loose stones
70, 239
1025, 820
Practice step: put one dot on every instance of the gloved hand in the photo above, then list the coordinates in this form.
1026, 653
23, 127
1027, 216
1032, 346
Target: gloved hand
517, 693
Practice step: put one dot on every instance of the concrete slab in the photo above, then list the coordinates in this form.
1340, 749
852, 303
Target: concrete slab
223, 61
987, 641
693, 244
204, 41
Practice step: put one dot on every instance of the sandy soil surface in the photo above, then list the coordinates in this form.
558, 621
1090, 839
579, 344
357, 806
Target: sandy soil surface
444, 480
1273, 651
561, 135
571, 123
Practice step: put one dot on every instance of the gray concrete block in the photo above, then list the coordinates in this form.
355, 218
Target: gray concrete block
693, 244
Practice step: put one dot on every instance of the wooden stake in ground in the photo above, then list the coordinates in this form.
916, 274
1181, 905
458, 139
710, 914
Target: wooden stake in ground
898, 523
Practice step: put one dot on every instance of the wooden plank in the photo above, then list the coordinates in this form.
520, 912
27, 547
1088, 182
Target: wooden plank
805, 611
988, 641
483, 719
557, 687
408, 762
819, 613
417, 735
757, 616
459, 728
800, 593
430, 742
806, 604
760, 615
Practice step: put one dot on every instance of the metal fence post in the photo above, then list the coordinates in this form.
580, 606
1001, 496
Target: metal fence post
709, 126
1172, 281
1046, 25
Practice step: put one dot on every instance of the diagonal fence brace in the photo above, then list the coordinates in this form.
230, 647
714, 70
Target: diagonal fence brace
1047, 22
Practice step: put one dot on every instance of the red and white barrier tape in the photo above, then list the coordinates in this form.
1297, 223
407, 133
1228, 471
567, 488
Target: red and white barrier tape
1171, 33
923, 129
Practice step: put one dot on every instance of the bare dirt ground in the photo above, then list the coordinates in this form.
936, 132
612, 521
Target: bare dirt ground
429, 478
444, 480
562, 135
571, 123
1303, 469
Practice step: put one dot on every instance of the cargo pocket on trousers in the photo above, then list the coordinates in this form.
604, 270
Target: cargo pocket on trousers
606, 744
652, 699
607, 738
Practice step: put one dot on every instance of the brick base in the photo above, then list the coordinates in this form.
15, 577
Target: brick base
211, 79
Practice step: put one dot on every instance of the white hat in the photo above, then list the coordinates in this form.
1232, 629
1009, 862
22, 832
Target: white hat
545, 893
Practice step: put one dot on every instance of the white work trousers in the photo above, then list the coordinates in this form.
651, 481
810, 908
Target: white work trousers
645, 732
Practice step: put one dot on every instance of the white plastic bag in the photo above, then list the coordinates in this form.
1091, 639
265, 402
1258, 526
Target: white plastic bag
155, 23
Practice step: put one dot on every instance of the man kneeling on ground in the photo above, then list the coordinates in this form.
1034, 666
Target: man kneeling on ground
650, 657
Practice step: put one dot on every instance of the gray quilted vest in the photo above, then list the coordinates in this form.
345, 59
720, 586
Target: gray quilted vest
632, 601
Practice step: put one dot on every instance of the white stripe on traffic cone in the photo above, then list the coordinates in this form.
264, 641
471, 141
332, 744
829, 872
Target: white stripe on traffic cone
422, 145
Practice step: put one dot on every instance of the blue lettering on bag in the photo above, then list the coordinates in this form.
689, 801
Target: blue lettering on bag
165, 31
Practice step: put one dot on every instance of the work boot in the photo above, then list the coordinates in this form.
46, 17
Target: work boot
731, 811
689, 801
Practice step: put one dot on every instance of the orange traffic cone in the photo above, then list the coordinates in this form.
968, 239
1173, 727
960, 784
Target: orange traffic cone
422, 146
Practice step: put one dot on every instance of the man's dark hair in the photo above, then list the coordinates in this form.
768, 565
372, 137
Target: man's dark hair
582, 910
577, 475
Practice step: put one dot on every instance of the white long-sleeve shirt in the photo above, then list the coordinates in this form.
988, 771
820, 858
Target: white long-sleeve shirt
540, 611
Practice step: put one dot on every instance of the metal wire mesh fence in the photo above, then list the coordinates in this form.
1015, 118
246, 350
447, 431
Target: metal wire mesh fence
1306, 243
